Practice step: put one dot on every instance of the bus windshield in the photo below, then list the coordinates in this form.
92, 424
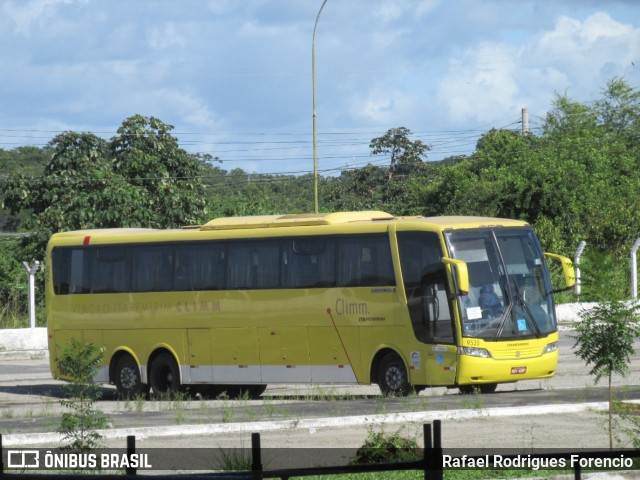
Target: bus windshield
509, 287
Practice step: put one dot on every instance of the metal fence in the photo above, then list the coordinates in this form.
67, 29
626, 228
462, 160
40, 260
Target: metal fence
433, 463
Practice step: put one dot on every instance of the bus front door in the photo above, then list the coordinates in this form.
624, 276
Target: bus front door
425, 287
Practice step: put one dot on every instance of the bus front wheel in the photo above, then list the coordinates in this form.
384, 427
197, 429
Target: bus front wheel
392, 376
164, 375
127, 378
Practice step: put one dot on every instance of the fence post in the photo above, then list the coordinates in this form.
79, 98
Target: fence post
634, 269
256, 457
131, 449
576, 263
427, 452
577, 473
31, 271
437, 449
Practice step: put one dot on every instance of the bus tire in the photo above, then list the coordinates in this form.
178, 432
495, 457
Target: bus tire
392, 376
254, 391
127, 378
164, 375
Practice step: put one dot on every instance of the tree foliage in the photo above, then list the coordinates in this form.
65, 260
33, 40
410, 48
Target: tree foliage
79, 424
604, 340
141, 177
577, 180
404, 154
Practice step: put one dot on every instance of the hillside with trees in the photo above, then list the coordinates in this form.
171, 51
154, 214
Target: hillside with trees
576, 178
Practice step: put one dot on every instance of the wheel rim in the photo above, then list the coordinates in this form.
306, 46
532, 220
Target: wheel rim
128, 377
394, 377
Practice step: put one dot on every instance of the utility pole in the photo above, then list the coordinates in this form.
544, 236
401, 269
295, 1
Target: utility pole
313, 92
525, 121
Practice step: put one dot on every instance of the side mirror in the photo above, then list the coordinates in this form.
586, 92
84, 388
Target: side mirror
567, 268
460, 274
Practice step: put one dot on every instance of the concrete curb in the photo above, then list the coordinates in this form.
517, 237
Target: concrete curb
30, 439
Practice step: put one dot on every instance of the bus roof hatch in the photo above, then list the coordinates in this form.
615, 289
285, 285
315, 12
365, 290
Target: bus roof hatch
294, 220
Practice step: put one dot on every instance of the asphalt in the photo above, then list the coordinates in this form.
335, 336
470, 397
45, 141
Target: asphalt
527, 427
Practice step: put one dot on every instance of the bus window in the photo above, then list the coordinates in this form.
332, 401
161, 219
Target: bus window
254, 265
425, 286
309, 263
110, 268
365, 260
200, 266
152, 268
70, 271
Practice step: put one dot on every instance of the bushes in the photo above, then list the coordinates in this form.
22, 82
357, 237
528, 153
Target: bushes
382, 447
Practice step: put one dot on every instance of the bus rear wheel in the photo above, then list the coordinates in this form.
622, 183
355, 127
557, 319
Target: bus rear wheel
164, 375
127, 378
392, 376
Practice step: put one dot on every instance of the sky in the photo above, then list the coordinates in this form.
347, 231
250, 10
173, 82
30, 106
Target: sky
234, 77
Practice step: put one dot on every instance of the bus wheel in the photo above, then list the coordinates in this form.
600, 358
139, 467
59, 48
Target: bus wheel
392, 376
254, 391
127, 378
488, 387
164, 376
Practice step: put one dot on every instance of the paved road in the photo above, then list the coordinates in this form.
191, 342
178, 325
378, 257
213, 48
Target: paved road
558, 413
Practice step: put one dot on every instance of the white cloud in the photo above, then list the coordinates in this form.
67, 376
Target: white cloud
390, 10
24, 13
244, 66
165, 36
573, 56
480, 83
382, 105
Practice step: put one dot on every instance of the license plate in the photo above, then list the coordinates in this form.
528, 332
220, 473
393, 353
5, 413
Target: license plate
518, 370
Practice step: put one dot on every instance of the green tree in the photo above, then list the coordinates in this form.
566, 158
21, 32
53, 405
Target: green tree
604, 340
578, 179
139, 178
165, 178
79, 363
405, 154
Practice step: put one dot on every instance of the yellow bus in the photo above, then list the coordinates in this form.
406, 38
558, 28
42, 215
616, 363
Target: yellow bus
336, 298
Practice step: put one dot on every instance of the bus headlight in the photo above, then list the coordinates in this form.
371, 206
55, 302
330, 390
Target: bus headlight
551, 347
474, 352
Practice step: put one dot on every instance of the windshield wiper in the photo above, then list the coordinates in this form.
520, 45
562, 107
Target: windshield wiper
503, 320
528, 316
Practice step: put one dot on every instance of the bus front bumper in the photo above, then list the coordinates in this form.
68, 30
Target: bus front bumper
476, 370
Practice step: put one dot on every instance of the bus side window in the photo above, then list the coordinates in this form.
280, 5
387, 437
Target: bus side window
152, 269
200, 266
309, 262
110, 269
253, 265
365, 260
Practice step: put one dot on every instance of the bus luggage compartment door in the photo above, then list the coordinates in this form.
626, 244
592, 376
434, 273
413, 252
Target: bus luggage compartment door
200, 368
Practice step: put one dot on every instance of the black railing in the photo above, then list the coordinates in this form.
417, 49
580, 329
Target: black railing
433, 463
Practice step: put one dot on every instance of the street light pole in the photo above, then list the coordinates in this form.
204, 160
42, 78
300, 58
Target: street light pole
313, 88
